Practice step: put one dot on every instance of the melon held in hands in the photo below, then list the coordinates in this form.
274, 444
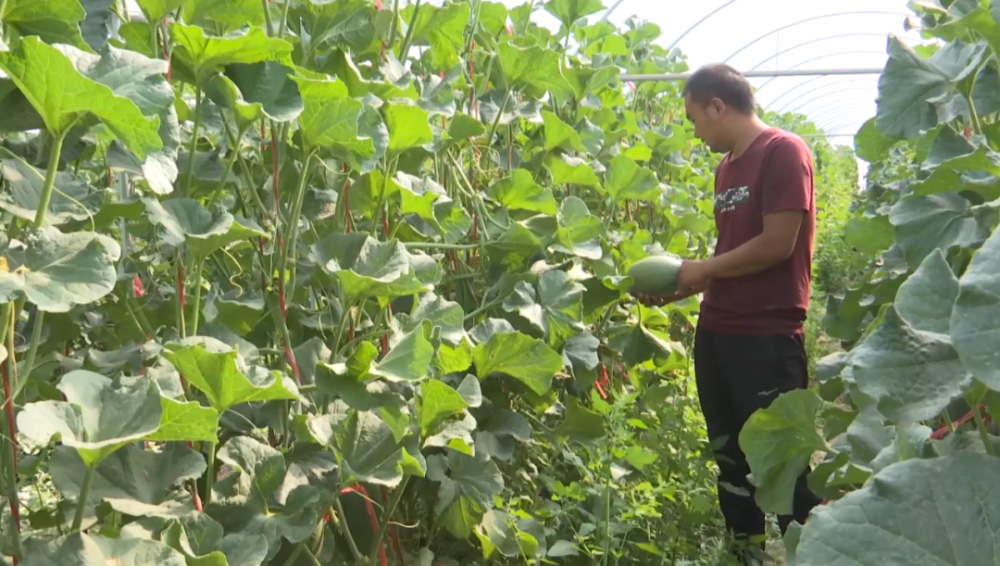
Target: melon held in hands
655, 275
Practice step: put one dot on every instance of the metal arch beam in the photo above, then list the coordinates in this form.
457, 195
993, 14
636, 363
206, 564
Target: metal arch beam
836, 117
812, 19
699, 22
817, 40
799, 109
796, 87
759, 74
840, 120
839, 53
842, 113
839, 126
838, 111
821, 88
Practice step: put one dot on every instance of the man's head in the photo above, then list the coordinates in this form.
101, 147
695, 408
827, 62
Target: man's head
720, 103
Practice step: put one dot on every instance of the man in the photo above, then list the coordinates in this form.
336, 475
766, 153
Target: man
749, 345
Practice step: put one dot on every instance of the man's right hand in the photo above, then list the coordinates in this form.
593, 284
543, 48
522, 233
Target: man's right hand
659, 301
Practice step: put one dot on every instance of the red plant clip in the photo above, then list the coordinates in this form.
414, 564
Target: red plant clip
138, 289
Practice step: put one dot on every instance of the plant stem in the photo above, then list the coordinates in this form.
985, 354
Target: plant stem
210, 475
983, 433
976, 124
292, 233
395, 23
81, 503
496, 121
50, 180
343, 324
383, 525
194, 140
409, 32
267, 18
199, 265
36, 336
483, 309
346, 529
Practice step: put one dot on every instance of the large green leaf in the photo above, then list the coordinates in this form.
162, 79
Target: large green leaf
133, 481
255, 91
186, 421
924, 224
55, 21
556, 310
912, 374
974, 324
200, 539
559, 134
330, 119
64, 97
261, 497
216, 374
627, 180
366, 447
98, 417
913, 512
569, 11
779, 441
408, 127
367, 267
442, 29
437, 402
519, 356
926, 299
72, 199
408, 360
79, 549
916, 93
204, 55
467, 486
533, 70
518, 191
57, 271
185, 221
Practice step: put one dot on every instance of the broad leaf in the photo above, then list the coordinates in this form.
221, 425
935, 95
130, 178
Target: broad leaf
520, 192
555, 310
222, 382
779, 441
865, 527
35, 67
467, 486
519, 356
408, 360
55, 21
437, 402
71, 199
204, 55
185, 221
133, 481
627, 180
367, 267
975, 326
365, 446
98, 417
79, 549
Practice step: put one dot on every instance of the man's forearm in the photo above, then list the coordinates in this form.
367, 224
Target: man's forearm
756, 255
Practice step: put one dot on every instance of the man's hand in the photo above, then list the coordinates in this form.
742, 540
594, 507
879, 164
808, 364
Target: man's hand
693, 275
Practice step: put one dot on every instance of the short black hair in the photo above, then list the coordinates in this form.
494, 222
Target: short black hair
721, 81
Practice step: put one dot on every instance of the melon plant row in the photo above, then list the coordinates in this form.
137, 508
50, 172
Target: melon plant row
324, 282
903, 413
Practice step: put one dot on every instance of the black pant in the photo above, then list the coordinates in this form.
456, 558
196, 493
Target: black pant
737, 375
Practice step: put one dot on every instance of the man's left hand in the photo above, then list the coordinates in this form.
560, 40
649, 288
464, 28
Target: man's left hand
692, 275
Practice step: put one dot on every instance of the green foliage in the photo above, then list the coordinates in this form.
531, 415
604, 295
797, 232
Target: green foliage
918, 324
258, 278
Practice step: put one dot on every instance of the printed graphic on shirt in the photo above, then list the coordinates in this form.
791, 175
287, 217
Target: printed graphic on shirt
727, 200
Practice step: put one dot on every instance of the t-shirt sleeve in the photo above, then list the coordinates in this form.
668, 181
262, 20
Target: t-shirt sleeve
788, 178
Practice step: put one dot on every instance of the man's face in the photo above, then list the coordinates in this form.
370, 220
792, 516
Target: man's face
708, 122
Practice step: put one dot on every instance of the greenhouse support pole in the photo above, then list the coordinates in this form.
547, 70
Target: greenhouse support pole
761, 73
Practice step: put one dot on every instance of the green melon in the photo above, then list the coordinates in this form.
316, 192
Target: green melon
655, 275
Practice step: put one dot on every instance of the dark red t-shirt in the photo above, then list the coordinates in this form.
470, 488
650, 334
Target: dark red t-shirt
774, 174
